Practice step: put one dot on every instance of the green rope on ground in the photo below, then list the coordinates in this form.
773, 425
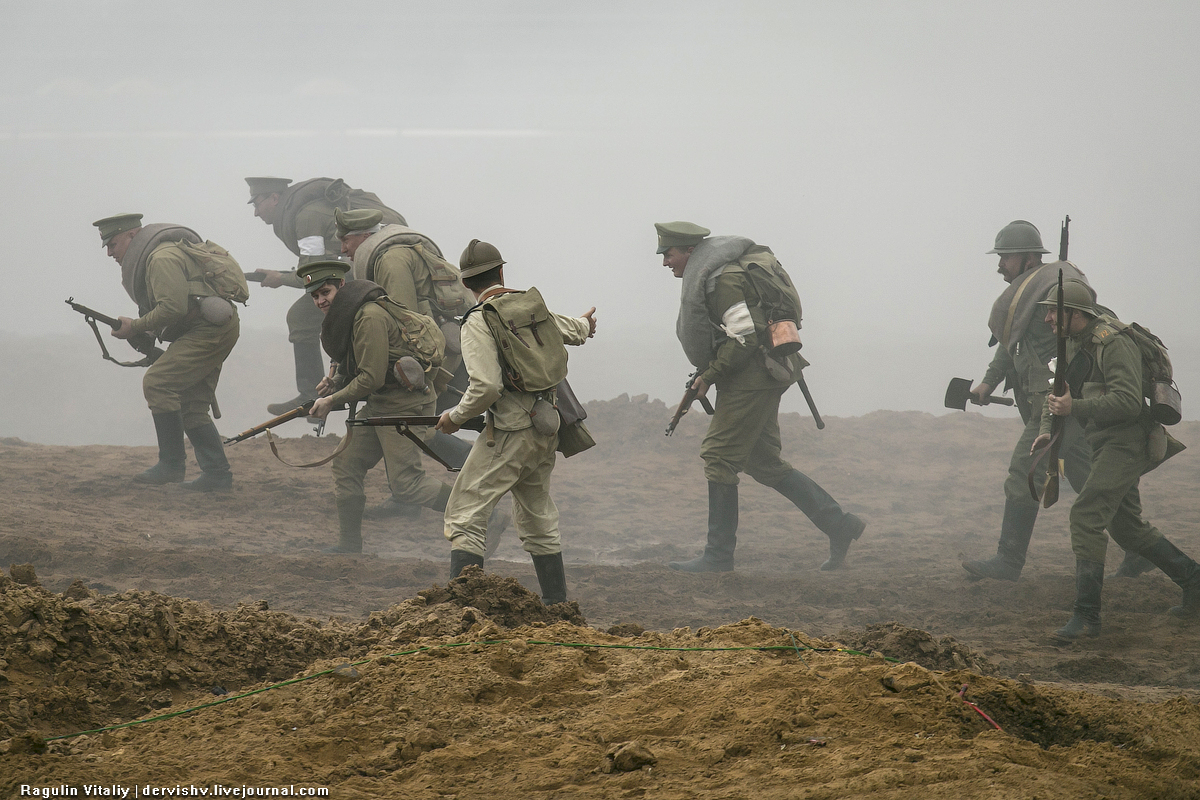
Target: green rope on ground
794, 647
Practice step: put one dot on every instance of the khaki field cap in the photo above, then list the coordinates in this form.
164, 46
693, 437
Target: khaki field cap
358, 221
266, 185
318, 273
1018, 236
479, 257
1076, 294
119, 223
679, 234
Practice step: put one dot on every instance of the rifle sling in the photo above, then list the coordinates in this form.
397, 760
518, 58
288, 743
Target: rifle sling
145, 361
1012, 307
407, 431
1038, 455
342, 446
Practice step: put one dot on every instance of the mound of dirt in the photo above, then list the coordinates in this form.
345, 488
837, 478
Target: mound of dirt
909, 644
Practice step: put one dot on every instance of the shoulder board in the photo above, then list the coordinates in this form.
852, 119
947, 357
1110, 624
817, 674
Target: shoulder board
1105, 329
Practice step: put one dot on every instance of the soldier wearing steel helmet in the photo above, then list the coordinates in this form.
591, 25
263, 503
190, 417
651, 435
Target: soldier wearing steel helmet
718, 325
1106, 396
513, 455
1025, 349
302, 217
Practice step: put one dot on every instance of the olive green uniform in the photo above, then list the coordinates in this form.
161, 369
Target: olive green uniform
184, 379
316, 235
1107, 399
522, 459
377, 343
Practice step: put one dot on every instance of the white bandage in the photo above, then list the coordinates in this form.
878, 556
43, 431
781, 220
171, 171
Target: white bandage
737, 322
312, 246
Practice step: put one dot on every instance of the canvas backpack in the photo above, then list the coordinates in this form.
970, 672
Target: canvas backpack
532, 354
419, 332
1158, 381
777, 295
219, 271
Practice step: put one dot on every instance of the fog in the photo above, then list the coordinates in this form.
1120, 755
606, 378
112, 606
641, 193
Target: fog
876, 147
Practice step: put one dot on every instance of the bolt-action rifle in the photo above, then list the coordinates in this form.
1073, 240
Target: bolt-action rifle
142, 342
295, 413
1054, 466
404, 426
690, 395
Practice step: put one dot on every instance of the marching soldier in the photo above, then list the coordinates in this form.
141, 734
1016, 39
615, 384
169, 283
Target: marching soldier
177, 305
720, 324
302, 216
1106, 396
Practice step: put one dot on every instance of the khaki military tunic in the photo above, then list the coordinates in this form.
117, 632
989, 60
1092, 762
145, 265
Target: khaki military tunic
185, 377
522, 459
1108, 401
377, 343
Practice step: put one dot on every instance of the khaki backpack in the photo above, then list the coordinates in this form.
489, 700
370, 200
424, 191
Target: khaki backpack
419, 332
219, 271
533, 356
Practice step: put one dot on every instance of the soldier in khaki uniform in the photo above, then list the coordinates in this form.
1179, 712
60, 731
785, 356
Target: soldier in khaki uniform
1026, 346
365, 340
1106, 381
302, 216
718, 326
175, 305
394, 256
512, 456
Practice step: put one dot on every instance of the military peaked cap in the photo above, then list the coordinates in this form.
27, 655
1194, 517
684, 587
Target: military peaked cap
266, 185
318, 273
360, 220
679, 234
119, 223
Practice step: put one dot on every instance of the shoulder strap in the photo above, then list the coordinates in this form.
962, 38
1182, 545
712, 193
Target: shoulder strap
1012, 307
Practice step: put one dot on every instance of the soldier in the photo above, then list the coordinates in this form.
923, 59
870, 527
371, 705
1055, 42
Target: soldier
1106, 391
720, 322
403, 262
1026, 347
512, 455
177, 305
302, 217
365, 339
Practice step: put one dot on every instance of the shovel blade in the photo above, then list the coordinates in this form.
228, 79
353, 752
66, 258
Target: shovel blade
958, 393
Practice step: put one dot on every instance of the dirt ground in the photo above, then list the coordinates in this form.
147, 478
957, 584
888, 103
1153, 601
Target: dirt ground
370, 675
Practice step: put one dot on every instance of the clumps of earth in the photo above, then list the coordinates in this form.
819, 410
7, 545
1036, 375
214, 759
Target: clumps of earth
476, 689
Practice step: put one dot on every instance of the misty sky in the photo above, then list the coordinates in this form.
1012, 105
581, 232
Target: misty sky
877, 147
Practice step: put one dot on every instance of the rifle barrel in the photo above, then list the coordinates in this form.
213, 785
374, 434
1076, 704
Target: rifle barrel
474, 424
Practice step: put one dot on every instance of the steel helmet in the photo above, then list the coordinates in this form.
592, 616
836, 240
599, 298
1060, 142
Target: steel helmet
1076, 294
479, 257
1019, 236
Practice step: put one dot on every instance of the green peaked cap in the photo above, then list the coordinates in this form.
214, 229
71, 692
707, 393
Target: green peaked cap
266, 185
356, 221
118, 223
679, 234
317, 273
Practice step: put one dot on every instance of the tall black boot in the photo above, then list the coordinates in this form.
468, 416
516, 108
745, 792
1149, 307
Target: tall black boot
1180, 568
1132, 565
722, 532
443, 497
551, 577
461, 559
215, 475
350, 515
1085, 619
1015, 532
841, 528
310, 369
172, 457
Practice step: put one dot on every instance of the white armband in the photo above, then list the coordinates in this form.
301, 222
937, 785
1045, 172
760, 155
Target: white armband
312, 246
737, 322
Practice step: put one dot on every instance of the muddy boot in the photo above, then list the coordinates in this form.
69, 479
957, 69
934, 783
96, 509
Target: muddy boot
1133, 565
172, 457
350, 515
841, 528
393, 508
1015, 531
722, 532
551, 577
1089, 583
215, 475
1180, 568
461, 559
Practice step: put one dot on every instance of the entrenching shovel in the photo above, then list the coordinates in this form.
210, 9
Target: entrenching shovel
958, 394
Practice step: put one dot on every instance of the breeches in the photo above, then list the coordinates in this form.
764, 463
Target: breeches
401, 458
520, 463
1110, 499
743, 436
185, 377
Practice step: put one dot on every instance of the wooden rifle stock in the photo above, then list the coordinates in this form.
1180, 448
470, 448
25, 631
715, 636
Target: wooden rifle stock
142, 342
690, 395
299, 411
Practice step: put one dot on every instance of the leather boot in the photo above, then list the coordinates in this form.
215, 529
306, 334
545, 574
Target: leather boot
722, 532
310, 369
1089, 583
172, 456
461, 559
1180, 568
551, 577
215, 475
1015, 531
1133, 565
392, 507
841, 528
439, 502
350, 514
